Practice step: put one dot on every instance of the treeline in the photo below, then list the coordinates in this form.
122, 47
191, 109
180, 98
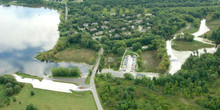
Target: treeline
85, 40
66, 72
184, 37
12, 86
154, 3
160, 46
216, 36
194, 81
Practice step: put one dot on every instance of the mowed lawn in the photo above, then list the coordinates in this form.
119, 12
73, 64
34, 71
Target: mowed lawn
75, 53
150, 61
50, 100
189, 46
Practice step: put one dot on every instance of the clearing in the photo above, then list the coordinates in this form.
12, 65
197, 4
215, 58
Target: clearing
49, 100
150, 61
75, 53
189, 46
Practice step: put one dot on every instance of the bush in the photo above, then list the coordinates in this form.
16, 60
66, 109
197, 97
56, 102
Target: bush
31, 107
128, 76
7, 101
14, 99
17, 89
32, 93
65, 72
9, 91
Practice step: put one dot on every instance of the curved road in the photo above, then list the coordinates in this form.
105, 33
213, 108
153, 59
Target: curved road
92, 82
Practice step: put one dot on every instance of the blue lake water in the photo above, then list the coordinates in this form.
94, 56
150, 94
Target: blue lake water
24, 32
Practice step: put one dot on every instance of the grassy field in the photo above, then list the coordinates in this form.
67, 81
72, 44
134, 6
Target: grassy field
50, 100
189, 46
29, 76
75, 53
192, 29
150, 61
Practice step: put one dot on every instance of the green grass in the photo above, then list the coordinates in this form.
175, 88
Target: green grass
150, 61
191, 30
189, 46
75, 53
29, 76
88, 79
50, 100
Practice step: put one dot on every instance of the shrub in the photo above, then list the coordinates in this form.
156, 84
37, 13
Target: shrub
65, 72
14, 99
31, 107
128, 76
32, 93
9, 91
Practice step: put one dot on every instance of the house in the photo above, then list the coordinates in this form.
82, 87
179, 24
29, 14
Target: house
116, 35
112, 30
93, 29
94, 24
132, 27
149, 27
138, 15
127, 33
139, 21
99, 33
147, 18
104, 27
106, 22
112, 13
148, 14
85, 24
123, 28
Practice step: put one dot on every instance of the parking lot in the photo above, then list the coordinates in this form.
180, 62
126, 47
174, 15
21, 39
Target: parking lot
129, 64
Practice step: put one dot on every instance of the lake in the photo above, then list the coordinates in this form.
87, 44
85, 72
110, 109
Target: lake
24, 32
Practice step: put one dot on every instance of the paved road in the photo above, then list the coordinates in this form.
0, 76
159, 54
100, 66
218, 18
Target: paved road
92, 83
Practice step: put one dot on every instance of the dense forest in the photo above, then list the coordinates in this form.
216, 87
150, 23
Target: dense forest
196, 83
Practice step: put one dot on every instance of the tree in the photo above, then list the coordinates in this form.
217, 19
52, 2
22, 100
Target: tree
128, 76
136, 46
17, 89
32, 93
31, 107
9, 91
139, 52
216, 36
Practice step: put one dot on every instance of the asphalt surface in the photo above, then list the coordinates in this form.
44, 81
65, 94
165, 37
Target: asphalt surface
92, 82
